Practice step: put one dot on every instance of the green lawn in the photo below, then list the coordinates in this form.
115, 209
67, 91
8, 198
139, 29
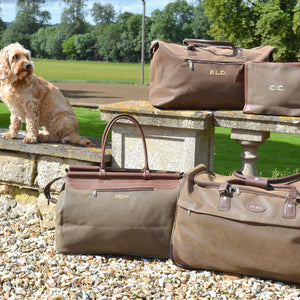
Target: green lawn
86, 71
278, 156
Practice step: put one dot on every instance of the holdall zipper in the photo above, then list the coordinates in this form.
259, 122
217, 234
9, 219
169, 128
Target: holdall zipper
239, 190
222, 63
96, 191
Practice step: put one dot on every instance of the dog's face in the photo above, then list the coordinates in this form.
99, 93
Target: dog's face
15, 63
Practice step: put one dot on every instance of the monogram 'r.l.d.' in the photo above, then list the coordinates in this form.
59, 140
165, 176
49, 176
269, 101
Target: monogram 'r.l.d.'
34, 101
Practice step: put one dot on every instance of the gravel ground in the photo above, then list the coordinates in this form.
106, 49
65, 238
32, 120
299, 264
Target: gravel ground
31, 269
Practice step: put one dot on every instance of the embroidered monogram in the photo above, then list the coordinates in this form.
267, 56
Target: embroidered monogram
256, 207
278, 88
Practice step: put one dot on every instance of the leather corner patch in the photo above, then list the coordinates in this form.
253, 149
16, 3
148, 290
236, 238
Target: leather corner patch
256, 207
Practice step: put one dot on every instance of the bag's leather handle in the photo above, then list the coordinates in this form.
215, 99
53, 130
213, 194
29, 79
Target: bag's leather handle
265, 180
104, 141
193, 43
209, 42
47, 191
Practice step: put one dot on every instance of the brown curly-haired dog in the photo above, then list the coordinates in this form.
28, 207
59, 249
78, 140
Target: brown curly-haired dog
35, 101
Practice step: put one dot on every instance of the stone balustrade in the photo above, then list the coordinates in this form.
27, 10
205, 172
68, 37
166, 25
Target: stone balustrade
180, 139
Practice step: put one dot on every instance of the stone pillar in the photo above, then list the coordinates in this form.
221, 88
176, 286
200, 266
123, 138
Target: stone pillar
177, 140
169, 149
249, 140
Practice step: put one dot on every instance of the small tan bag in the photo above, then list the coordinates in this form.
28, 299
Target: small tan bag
272, 89
237, 224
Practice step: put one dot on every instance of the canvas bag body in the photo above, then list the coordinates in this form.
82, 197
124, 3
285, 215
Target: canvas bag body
272, 88
199, 76
110, 210
251, 237
98, 220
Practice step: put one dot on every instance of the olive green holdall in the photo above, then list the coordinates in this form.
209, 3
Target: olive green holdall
238, 224
105, 210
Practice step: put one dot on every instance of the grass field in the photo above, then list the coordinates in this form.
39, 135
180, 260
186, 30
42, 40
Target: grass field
85, 71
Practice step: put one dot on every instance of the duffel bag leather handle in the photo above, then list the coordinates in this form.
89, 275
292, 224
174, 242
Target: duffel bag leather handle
193, 43
105, 136
209, 42
265, 180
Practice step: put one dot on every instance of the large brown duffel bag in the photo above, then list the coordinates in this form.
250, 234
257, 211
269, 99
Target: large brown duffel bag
199, 75
238, 224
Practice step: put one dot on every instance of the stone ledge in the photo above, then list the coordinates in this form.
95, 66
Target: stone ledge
90, 154
148, 115
238, 120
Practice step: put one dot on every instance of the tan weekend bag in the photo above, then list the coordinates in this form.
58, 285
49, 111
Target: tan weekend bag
200, 74
104, 210
272, 89
237, 224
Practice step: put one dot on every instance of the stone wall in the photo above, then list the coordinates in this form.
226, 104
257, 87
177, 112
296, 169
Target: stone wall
25, 169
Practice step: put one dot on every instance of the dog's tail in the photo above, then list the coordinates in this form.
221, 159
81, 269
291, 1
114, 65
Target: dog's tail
76, 139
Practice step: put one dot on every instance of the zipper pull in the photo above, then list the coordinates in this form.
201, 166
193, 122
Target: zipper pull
191, 65
233, 188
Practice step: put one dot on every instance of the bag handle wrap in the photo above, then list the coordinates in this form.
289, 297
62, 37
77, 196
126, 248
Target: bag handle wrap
104, 142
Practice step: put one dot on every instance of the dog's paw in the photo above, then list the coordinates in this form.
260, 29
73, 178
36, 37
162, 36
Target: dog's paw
8, 135
30, 140
87, 143
43, 138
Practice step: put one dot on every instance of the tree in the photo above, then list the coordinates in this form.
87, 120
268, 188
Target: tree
2, 24
253, 23
173, 23
130, 40
104, 14
200, 24
275, 27
29, 19
85, 46
68, 47
54, 43
108, 42
40, 41
73, 17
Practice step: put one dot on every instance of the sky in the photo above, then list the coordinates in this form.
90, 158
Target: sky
55, 8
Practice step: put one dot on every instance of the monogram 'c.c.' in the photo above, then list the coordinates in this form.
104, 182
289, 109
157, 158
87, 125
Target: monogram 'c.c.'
276, 88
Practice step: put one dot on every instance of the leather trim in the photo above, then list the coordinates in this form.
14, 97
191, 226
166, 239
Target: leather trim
224, 199
176, 259
290, 203
97, 183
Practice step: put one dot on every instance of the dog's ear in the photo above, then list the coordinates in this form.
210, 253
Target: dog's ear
5, 70
28, 54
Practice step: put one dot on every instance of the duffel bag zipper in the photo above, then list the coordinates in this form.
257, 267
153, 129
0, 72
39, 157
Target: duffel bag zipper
191, 62
96, 191
239, 190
